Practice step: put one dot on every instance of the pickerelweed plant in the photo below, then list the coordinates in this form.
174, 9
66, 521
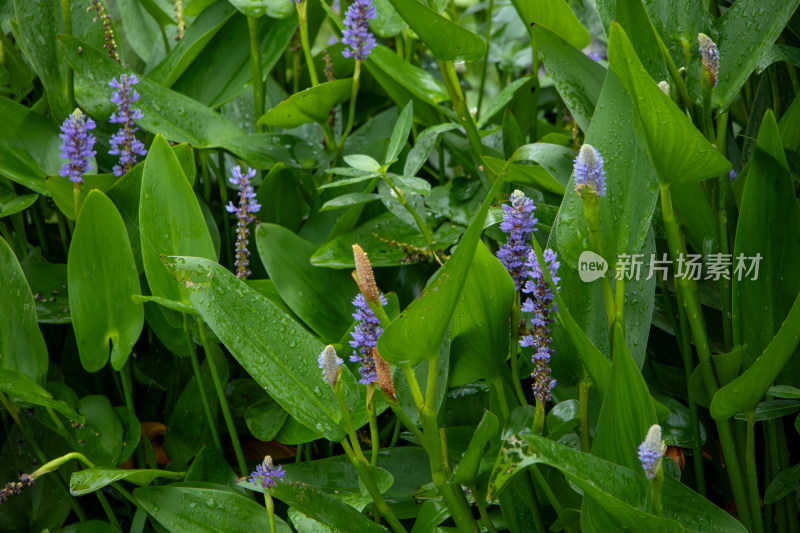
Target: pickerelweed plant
494, 267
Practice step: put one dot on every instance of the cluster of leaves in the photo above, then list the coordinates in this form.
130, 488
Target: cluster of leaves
137, 367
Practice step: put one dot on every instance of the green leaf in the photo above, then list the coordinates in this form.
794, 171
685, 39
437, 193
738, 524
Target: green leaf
282, 358
351, 199
467, 471
783, 484
417, 333
784, 391
37, 27
678, 151
480, 321
768, 228
22, 347
197, 36
23, 388
627, 412
413, 79
746, 31
556, 15
319, 296
28, 146
310, 105
102, 435
364, 163
772, 410
272, 8
411, 184
556, 160
496, 104
382, 238
206, 509
423, 147
102, 278
320, 506
445, 39
17, 205
265, 420
170, 220
95, 478
619, 490
399, 135
387, 23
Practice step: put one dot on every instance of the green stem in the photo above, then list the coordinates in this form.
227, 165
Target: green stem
200, 384
223, 401
591, 210
486, 59
423, 227
694, 313
270, 505
499, 389
583, 411
752, 474
347, 421
40, 455
66, 15
63, 233
365, 473
76, 197
373, 425
351, 112
404, 419
127, 389
487, 522
722, 233
514, 348
38, 222
541, 482
301, 15
256, 77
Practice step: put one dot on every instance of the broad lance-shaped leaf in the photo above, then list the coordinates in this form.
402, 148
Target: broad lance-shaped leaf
417, 333
274, 349
618, 489
768, 231
556, 15
744, 393
272, 8
170, 220
22, 347
679, 151
102, 277
91, 479
746, 31
310, 105
447, 40
577, 77
21, 387
203, 509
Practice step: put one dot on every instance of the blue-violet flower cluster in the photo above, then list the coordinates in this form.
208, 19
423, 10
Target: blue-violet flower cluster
540, 304
365, 338
77, 146
709, 55
124, 143
518, 223
247, 206
589, 171
356, 32
651, 450
266, 474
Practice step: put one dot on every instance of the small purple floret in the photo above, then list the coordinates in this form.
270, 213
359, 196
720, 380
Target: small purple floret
244, 212
124, 142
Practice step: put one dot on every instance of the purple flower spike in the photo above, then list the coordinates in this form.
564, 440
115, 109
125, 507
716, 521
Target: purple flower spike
541, 306
651, 450
247, 206
589, 171
266, 474
518, 222
77, 146
356, 32
365, 338
124, 143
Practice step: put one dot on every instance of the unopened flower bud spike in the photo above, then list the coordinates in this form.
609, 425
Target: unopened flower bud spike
651, 452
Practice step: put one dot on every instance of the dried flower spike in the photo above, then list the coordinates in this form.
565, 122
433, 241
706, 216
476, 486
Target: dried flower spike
356, 32
365, 338
266, 474
385, 381
77, 146
519, 223
651, 450
541, 306
365, 277
589, 171
247, 206
709, 55
110, 44
329, 363
124, 142
179, 20
13, 488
